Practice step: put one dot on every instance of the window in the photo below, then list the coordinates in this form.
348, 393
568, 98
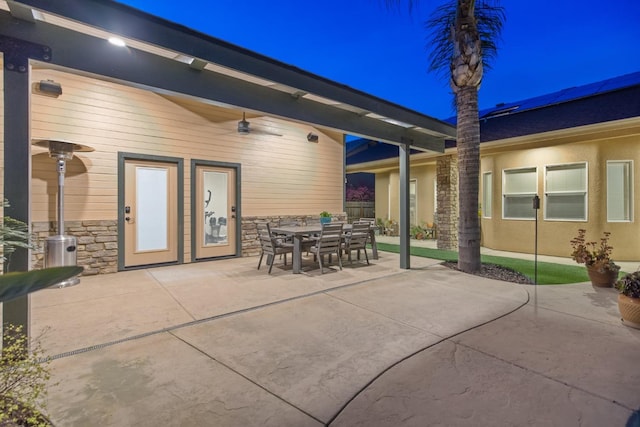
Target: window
566, 192
413, 206
435, 197
487, 194
619, 191
518, 188
389, 200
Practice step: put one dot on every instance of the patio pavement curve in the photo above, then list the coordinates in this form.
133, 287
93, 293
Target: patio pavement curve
223, 344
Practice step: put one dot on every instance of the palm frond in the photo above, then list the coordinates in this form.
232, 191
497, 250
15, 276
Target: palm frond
13, 234
490, 18
13, 285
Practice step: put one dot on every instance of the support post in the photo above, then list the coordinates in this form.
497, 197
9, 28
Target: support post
405, 173
536, 207
17, 153
17, 173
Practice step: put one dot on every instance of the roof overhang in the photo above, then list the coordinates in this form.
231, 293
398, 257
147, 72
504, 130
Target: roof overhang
610, 131
168, 58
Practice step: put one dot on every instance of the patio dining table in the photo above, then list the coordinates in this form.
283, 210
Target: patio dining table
298, 232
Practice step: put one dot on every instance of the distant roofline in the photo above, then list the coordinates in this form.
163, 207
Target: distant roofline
562, 96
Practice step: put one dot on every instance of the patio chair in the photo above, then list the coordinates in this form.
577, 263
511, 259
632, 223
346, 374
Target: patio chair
271, 246
356, 239
373, 224
287, 222
328, 243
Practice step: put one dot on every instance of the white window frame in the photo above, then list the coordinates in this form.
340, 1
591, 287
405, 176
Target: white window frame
630, 190
415, 201
487, 196
584, 192
435, 198
389, 200
506, 172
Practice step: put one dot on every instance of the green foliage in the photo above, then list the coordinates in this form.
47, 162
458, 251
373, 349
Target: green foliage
490, 18
325, 214
593, 254
629, 285
13, 234
13, 285
548, 273
23, 380
23, 375
422, 231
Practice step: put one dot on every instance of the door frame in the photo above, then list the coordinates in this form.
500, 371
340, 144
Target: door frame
179, 162
211, 163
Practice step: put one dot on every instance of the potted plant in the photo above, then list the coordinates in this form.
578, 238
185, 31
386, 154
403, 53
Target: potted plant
416, 232
325, 217
596, 256
629, 299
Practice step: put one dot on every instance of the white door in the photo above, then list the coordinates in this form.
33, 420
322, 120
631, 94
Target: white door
151, 213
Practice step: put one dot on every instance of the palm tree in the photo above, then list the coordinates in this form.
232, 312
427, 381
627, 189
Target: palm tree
463, 40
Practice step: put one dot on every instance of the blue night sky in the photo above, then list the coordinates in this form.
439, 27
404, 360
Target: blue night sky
547, 45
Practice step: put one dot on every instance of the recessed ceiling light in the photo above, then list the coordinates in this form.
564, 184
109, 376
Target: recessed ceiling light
117, 41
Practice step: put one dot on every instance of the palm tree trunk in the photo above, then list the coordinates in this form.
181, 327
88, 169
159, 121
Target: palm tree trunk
468, 143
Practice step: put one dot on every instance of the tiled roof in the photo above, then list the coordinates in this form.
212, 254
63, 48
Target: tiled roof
604, 107
564, 95
613, 99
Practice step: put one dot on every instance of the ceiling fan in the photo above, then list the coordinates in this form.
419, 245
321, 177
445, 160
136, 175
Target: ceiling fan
244, 128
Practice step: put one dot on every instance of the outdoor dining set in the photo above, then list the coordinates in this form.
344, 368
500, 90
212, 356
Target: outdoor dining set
320, 240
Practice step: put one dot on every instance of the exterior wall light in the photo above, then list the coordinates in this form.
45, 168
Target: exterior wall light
48, 88
312, 137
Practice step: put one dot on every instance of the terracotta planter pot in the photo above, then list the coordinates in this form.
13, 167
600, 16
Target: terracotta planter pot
604, 279
630, 310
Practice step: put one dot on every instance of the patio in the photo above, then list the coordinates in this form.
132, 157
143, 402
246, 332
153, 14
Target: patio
221, 343
131, 303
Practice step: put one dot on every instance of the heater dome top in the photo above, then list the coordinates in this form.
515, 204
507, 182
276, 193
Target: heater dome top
61, 146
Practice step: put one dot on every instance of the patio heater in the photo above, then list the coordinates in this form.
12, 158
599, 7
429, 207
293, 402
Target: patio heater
61, 250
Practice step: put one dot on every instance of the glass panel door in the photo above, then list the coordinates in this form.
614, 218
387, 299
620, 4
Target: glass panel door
215, 212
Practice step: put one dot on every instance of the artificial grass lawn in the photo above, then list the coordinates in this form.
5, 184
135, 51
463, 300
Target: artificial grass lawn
548, 273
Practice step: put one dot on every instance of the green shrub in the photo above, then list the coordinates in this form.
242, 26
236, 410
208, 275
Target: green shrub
23, 380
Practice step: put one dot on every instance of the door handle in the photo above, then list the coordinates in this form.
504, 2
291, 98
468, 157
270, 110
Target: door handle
129, 219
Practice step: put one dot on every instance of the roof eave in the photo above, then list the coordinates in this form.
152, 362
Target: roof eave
425, 132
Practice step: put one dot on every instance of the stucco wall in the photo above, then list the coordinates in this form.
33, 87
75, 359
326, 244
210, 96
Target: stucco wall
389, 208
595, 144
554, 235
382, 196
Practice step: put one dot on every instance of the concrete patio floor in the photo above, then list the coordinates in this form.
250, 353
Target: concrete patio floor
223, 344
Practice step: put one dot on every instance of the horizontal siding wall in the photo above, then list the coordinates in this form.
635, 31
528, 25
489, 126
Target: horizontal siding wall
281, 175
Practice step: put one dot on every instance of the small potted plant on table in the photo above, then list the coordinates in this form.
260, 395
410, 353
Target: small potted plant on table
602, 271
629, 299
325, 217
